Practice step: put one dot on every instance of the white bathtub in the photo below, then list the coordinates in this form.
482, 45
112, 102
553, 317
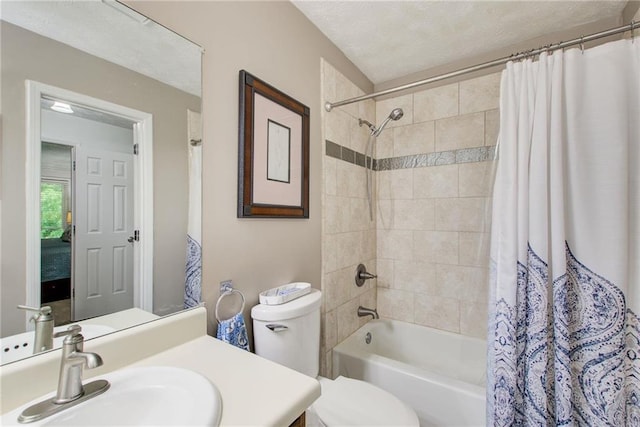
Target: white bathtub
440, 374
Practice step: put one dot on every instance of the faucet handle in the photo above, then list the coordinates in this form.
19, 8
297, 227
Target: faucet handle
45, 309
71, 330
44, 312
72, 333
362, 274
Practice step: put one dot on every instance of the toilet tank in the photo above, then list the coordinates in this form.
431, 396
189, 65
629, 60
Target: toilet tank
289, 333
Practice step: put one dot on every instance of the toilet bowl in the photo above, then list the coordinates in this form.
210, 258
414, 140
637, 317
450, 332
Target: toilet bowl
349, 402
289, 334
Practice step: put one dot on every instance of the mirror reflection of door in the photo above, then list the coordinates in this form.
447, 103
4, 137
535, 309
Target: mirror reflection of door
103, 258
87, 254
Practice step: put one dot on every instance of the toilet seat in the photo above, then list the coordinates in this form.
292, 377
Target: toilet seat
348, 402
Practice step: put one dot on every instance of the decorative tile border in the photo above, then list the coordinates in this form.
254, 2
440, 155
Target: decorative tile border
343, 153
463, 155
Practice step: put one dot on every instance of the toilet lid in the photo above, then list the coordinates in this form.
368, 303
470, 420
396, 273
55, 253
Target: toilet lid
349, 402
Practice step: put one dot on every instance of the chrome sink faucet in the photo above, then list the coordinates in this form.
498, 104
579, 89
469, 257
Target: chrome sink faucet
73, 360
71, 391
43, 335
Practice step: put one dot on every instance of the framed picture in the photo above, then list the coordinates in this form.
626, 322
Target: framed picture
273, 152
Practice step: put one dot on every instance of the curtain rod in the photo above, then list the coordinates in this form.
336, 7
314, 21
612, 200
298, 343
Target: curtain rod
515, 57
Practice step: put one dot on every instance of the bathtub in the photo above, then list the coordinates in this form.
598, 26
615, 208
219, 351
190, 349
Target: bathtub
440, 374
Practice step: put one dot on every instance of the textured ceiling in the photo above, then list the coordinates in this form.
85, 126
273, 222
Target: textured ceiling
392, 39
385, 39
112, 31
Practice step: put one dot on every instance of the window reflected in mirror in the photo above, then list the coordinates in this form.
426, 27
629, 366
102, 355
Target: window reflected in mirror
55, 230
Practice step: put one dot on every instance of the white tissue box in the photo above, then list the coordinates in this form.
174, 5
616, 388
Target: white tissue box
284, 293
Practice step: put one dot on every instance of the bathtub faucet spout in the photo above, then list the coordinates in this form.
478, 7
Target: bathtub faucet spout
364, 311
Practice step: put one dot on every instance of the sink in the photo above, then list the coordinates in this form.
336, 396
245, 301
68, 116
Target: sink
150, 396
16, 347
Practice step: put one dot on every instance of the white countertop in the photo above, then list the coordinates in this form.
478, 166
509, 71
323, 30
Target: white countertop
255, 391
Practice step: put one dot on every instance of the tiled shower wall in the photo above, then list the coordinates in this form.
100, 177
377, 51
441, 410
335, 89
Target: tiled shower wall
434, 187
348, 235
428, 241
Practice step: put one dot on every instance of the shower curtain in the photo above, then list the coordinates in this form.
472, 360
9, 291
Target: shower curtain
193, 269
563, 343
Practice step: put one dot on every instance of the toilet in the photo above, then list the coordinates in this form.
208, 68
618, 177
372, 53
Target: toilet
289, 334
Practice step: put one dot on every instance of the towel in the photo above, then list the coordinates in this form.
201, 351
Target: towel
234, 332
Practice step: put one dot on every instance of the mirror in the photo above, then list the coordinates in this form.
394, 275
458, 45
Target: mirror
124, 74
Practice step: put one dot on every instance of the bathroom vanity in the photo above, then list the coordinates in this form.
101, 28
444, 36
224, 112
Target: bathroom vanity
254, 391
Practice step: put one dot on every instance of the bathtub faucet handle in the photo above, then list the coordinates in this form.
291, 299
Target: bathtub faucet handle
362, 274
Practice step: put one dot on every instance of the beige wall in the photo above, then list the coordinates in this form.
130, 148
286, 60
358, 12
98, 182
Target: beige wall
26, 55
276, 43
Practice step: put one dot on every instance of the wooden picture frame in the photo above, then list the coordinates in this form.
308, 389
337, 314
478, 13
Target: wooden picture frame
273, 152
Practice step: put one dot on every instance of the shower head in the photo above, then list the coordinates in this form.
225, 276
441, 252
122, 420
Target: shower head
371, 127
396, 114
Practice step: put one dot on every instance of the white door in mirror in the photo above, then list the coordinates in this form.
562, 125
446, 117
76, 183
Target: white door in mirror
103, 256
155, 395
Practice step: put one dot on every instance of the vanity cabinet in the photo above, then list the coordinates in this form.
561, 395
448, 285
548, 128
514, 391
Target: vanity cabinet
299, 422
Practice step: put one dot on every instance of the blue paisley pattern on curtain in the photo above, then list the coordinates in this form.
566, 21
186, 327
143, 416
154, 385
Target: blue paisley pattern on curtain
565, 356
193, 274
